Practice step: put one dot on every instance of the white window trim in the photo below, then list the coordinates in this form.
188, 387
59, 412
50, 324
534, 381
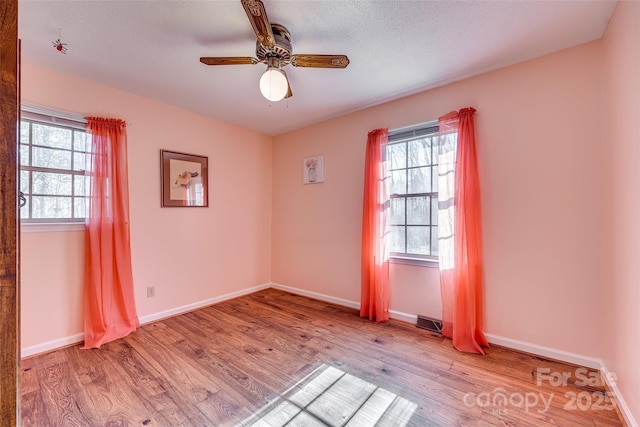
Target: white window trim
50, 227
47, 115
420, 262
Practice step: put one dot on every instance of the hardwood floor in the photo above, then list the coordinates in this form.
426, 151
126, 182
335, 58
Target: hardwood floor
272, 358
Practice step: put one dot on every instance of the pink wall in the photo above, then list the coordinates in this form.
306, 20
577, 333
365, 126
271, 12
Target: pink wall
538, 130
189, 255
50, 285
621, 146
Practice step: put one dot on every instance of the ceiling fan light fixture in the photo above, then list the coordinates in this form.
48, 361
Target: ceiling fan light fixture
273, 48
273, 84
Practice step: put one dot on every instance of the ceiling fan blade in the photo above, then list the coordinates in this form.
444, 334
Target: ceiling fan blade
228, 60
320, 61
289, 92
259, 21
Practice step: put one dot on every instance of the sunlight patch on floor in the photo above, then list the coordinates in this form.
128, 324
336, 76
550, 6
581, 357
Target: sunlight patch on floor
331, 397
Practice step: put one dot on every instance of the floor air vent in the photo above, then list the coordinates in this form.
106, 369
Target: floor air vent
429, 324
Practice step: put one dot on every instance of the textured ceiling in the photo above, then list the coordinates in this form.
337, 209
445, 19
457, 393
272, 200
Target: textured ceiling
396, 48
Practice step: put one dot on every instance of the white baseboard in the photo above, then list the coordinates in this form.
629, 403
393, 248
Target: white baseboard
315, 295
196, 305
539, 350
615, 391
398, 315
77, 338
51, 345
405, 317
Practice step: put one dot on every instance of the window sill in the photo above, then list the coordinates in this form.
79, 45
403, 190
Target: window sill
420, 262
50, 227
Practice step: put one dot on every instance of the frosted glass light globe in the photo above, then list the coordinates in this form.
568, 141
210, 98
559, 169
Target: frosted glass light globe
274, 85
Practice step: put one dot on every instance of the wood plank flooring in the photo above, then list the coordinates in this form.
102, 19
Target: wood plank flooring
273, 358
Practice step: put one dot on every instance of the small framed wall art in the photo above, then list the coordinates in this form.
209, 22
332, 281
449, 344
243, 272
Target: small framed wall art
313, 170
185, 179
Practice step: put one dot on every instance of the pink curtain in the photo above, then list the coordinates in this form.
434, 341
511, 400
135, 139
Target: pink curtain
461, 264
375, 230
109, 303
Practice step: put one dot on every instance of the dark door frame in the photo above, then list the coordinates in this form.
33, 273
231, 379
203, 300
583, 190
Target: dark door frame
9, 229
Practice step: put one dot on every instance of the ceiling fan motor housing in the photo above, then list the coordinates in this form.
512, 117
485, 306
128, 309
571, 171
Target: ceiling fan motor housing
281, 49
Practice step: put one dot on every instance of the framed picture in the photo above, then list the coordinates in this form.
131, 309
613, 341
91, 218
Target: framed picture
185, 179
313, 170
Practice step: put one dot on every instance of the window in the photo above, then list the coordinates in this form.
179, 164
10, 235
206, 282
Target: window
53, 157
412, 156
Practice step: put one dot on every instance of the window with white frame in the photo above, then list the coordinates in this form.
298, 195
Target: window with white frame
412, 158
53, 161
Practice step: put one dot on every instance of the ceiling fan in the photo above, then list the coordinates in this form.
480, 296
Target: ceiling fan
273, 48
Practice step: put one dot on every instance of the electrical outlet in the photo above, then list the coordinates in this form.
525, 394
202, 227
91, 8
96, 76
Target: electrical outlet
151, 291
